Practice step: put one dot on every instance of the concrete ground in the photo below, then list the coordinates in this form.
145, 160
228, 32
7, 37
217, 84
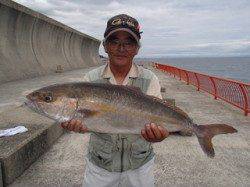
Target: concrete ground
179, 160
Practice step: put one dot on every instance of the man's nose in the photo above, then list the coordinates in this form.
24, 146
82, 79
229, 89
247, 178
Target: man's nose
121, 47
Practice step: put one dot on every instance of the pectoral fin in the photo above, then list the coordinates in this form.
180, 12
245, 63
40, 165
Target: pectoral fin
85, 113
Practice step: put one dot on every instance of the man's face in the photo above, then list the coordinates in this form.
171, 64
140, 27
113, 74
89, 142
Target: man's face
121, 48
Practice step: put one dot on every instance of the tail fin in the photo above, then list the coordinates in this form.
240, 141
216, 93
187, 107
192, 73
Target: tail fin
205, 133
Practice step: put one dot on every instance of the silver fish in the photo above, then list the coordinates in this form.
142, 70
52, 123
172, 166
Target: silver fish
110, 108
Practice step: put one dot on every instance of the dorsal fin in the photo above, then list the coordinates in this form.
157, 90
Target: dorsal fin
175, 108
133, 89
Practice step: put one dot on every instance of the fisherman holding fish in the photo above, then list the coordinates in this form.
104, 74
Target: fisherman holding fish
121, 159
120, 105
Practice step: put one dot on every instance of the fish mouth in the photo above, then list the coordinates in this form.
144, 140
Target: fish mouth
30, 104
33, 106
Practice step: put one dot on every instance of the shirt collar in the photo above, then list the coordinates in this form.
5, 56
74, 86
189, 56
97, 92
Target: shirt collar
133, 72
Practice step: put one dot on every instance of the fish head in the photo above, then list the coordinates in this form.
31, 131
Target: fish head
56, 102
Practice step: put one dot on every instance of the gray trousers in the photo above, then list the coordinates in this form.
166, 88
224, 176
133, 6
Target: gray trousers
99, 177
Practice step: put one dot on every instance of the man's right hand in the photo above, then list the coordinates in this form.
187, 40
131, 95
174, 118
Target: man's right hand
74, 125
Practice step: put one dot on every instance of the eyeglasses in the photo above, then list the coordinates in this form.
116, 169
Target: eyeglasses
128, 45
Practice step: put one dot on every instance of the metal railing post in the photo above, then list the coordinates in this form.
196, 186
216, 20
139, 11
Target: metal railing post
187, 77
215, 88
198, 82
179, 73
245, 99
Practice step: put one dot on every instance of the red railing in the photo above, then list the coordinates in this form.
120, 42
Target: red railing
231, 91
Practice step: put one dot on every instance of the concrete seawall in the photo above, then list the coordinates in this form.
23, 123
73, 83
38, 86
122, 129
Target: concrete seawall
32, 44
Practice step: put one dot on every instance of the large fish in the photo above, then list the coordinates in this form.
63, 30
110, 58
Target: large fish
110, 108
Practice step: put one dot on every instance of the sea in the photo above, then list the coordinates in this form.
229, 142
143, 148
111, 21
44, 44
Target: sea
236, 68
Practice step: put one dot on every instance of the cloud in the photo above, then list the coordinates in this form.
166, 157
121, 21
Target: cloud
170, 27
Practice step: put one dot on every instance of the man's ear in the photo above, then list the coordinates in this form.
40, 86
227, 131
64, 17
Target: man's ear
137, 50
104, 46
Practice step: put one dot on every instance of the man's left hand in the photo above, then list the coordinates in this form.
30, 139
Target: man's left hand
154, 133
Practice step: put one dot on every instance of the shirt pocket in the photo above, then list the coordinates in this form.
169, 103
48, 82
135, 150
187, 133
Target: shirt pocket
140, 149
100, 150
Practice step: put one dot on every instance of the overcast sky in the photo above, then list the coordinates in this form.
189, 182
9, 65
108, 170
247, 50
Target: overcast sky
170, 27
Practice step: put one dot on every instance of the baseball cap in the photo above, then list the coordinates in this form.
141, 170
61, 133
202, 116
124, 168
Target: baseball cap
123, 22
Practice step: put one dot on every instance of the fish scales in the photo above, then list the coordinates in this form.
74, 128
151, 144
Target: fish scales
129, 99
130, 103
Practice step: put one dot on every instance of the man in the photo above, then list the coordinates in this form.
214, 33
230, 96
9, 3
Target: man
121, 159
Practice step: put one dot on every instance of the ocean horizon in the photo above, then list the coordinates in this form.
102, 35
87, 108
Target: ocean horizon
236, 68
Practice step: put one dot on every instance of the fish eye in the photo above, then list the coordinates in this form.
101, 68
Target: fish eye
48, 98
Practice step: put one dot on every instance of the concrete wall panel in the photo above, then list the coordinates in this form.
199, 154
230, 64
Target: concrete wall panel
32, 44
